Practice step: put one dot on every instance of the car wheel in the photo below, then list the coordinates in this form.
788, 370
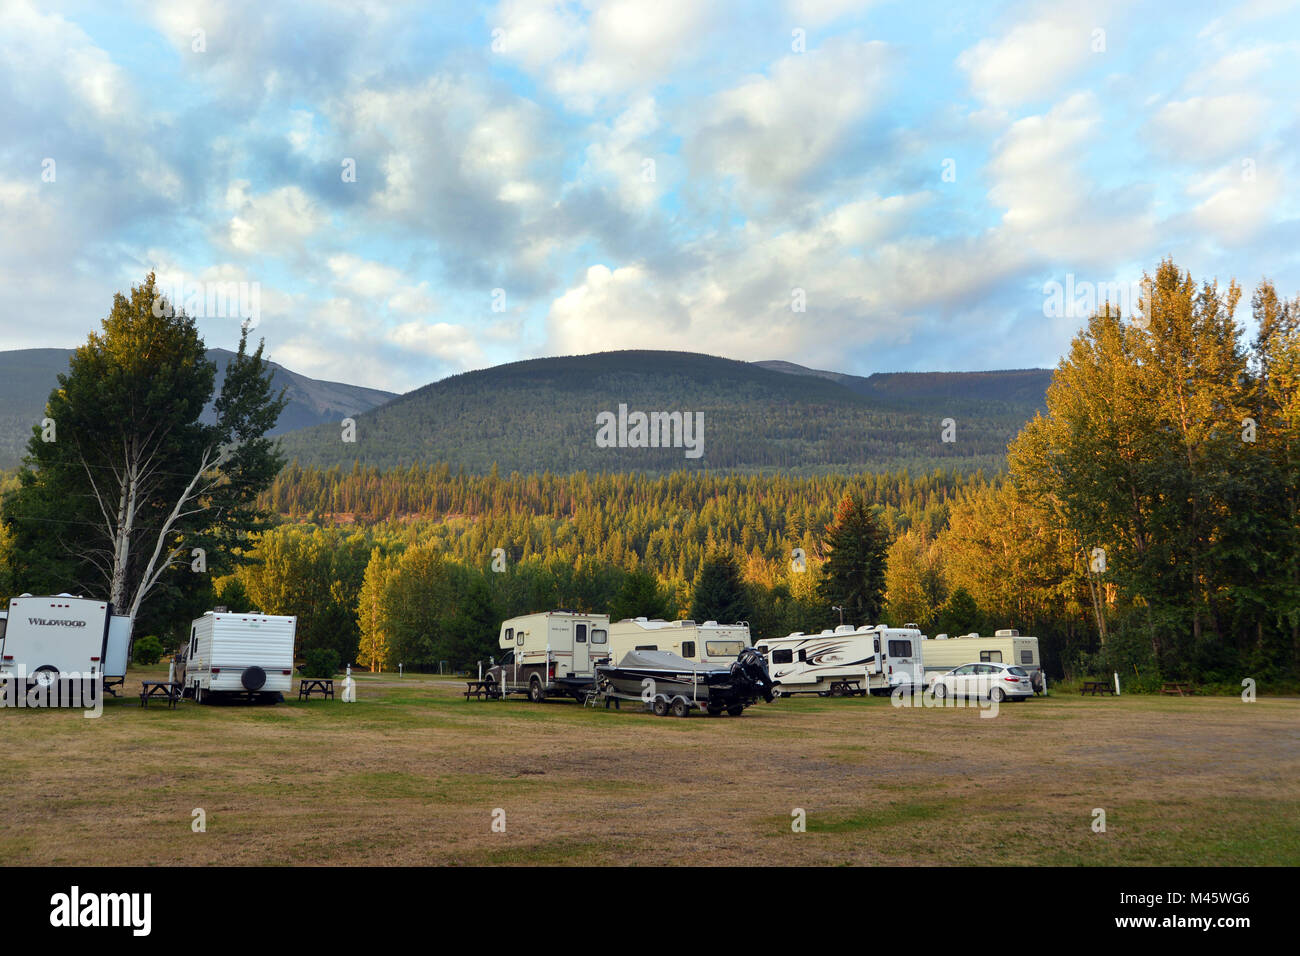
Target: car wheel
681, 708
997, 695
940, 690
660, 707
535, 692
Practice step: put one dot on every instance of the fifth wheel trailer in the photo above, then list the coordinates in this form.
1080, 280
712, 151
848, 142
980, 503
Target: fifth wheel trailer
247, 654
881, 657
57, 637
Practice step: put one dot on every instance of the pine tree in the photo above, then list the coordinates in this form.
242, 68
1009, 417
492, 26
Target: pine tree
853, 575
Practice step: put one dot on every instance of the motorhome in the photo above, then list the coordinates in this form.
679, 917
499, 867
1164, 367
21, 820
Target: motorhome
942, 653
48, 639
234, 654
879, 658
550, 654
707, 643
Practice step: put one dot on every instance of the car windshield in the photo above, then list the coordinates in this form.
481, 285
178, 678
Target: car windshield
1018, 671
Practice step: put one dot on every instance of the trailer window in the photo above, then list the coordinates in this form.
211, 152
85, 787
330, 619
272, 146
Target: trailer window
688, 648
510, 633
876, 642
992, 657
647, 647
4, 621
900, 648
519, 639
580, 633
803, 655
1026, 657
599, 635
784, 656
724, 648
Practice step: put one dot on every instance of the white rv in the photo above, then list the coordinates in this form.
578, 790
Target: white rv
943, 653
45, 639
249, 654
707, 643
879, 658
550, 654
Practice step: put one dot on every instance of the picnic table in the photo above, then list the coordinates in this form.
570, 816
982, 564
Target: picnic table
847, 688
316, 685
480, 689
1176, 687
1097, 688
171, 690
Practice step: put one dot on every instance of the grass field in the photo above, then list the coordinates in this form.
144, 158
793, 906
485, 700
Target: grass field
411, 774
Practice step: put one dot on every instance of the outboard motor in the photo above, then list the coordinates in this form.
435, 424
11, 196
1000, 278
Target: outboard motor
751, 664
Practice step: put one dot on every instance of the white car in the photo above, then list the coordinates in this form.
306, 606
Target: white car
997, 682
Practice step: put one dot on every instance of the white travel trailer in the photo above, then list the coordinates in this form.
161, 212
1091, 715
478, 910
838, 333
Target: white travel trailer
707, 643
879, 658
943, 653
249, 654
550, 654
45, 639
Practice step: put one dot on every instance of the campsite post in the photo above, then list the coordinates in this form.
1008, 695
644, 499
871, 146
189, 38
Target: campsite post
1116, 683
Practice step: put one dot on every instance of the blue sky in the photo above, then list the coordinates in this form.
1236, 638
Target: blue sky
541, 178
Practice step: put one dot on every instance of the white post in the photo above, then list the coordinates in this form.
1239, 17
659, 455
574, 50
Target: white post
1044, 683
1116, 683
171, 673
480, 670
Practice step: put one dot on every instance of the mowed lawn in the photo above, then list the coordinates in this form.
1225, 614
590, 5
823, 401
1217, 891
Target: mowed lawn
412, 774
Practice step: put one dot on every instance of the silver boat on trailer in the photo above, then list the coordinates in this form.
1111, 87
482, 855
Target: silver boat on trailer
672, 684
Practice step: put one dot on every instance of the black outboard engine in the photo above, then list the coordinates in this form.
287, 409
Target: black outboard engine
752, 666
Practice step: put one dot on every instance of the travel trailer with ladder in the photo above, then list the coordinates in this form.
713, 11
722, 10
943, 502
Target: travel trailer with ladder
878, 658
44, 640
233, 654
707, 643
942, 653
549, 654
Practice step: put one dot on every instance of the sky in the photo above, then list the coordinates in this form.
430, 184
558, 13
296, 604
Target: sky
412, 190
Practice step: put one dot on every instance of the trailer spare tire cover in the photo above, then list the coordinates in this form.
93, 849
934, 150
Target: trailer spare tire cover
254, 678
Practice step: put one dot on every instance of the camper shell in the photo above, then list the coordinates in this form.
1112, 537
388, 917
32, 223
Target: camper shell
1007, 646
880, 658
550, 654
47, 639
707, 643
239, 654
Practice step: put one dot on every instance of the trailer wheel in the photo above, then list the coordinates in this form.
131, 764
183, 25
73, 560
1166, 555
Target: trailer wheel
736, 710
681, 708
660, 707
535, 692
715, 711
45, 676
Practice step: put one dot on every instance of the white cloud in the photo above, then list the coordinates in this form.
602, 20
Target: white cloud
1205, 128
1032, 59
772, 131
1238, 200
269, 222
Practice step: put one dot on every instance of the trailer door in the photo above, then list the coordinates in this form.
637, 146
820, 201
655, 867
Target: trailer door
581, 650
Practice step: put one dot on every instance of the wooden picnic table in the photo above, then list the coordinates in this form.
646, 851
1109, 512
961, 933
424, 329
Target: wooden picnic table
1097, 688
480, 689
316, 685
848, 688
1180, 688
160, 688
